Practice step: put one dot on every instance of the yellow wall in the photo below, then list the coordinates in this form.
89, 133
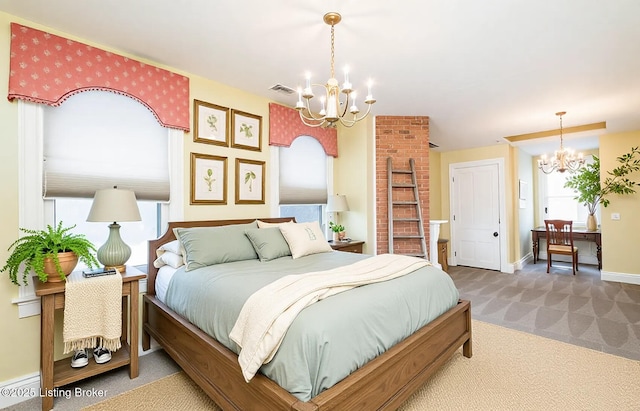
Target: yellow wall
435, 187
351, 176
620, 239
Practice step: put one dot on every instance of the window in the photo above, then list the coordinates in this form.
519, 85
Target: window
303, 180
557, 202
96, 140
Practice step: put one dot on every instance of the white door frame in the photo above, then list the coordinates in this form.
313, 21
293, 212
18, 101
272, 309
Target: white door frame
505, 267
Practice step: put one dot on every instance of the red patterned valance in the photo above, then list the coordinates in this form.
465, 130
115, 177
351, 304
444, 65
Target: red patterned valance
48, 69
285, 125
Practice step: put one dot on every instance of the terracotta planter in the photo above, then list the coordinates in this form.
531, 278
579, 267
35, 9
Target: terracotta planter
68, 262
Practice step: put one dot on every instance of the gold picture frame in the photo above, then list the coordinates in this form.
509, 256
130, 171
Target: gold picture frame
246, 130
250, 178
210, 123
208, 179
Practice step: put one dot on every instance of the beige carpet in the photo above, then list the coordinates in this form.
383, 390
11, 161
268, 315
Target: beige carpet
509, 370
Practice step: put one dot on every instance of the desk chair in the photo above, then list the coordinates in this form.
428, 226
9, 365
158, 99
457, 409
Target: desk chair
560, 241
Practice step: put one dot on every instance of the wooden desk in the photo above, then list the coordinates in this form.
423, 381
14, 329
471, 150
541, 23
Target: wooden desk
59, 373
578, 235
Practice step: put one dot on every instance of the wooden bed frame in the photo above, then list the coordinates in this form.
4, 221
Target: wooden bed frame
383, 383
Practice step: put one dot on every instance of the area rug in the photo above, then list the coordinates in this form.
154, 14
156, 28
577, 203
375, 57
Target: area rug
509, 370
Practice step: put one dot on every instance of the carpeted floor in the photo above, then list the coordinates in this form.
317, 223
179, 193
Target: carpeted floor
581, 310
510, 370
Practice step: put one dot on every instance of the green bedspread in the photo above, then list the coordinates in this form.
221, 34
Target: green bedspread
329, 339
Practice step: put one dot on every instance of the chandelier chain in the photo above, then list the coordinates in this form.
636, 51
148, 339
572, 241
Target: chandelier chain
333, 75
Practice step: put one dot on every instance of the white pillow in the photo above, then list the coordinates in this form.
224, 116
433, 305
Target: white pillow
169, 258
304, 238
264, 224
172, 247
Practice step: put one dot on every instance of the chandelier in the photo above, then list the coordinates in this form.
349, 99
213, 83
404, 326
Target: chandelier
563, 160
332, 109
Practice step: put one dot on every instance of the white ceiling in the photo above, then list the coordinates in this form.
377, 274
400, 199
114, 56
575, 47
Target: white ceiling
481, 70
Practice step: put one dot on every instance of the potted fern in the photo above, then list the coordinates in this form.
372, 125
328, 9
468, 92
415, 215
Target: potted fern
590, 192
52, 254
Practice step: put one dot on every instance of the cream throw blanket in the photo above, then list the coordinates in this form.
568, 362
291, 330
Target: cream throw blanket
268, 313
92, 312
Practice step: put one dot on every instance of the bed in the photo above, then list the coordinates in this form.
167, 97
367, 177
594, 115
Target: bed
382, 383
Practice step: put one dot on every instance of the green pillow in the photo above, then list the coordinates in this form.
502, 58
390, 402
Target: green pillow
205, 246
268, 243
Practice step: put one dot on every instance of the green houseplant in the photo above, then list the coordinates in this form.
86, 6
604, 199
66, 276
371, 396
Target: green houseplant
48, 252
338, 231
591, 192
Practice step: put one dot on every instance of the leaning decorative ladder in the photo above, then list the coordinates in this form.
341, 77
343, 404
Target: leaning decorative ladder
399, 200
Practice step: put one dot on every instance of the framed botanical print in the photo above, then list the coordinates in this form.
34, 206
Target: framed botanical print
246, 131
208, 179
210, 123
249, 181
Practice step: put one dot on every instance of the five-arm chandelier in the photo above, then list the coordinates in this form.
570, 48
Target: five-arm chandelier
332, 109
564, 159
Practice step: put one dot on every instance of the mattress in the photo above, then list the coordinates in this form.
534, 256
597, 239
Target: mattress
329, 339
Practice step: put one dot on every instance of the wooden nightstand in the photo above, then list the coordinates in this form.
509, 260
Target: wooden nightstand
59, 373
348, 246
442, 253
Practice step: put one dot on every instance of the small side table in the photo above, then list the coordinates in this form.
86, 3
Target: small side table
348, 246
59, 373
442, 254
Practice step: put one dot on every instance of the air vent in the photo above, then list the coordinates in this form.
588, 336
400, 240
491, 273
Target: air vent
431, 145
282, 89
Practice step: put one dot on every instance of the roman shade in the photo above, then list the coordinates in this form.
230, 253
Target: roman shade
303, 172
98, 140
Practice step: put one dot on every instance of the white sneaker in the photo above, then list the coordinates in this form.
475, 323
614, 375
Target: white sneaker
101, 355
79, 359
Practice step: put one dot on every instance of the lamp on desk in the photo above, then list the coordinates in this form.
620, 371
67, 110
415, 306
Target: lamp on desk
114, 205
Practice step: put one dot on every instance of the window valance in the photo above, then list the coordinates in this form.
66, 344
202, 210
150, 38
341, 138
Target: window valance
285, 125
47, 69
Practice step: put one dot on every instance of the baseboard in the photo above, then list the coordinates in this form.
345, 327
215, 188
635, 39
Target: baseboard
19, 389
518, 265
24, 388
620, 277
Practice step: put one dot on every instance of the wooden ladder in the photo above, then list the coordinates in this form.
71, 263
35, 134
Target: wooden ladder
396, 187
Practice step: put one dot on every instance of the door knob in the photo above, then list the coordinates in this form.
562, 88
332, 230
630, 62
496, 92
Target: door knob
495, 233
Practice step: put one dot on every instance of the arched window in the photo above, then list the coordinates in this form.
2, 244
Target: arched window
303, 179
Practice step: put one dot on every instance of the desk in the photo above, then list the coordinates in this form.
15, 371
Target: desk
578, 235
59, 373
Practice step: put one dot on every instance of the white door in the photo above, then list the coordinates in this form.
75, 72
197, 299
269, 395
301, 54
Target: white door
475, 203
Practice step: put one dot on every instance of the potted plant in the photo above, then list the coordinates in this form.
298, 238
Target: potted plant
338, 231
52, 254
591, 192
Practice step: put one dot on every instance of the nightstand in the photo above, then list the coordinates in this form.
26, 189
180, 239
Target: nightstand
348, 246
442, 254
59, 373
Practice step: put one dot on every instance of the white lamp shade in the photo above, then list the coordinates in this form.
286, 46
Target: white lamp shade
337, 203
114, 205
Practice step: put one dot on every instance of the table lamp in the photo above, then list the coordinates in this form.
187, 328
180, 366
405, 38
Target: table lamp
114, 205
336, 204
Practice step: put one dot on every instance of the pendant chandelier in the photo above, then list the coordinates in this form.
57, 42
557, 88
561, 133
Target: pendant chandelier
332, 109
564, 159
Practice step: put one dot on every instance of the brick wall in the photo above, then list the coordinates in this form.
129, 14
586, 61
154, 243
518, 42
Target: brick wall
402, 138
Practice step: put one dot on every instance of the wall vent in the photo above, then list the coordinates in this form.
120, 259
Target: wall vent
282, 89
